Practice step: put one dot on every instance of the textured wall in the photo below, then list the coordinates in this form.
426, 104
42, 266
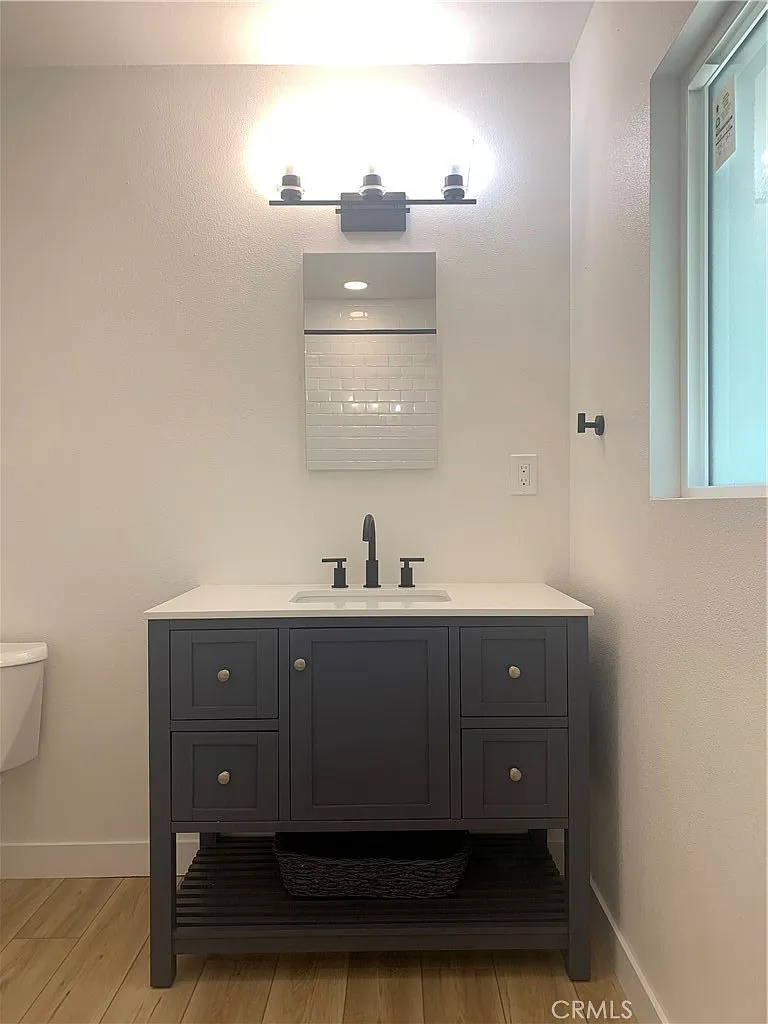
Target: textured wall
679, 588
153, 397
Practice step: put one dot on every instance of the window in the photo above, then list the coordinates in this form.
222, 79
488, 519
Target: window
727, 263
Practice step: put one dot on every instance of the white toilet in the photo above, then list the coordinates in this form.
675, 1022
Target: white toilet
21, 702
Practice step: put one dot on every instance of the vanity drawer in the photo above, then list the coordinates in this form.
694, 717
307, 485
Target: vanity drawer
514, 671
225, 776
224, 673
514, 773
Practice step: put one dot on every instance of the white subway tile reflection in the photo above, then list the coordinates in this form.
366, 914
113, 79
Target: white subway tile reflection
372, 403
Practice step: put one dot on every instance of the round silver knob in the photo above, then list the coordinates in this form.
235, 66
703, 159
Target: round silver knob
299, 664
223, 675
513, 672
515, 774
223, 778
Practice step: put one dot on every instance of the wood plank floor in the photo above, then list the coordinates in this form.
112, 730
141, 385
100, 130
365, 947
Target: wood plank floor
76, 950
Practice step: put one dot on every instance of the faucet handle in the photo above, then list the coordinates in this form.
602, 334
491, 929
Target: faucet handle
406, 572
339, 573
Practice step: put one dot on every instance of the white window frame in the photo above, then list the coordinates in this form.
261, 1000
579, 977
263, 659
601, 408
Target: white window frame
695, 255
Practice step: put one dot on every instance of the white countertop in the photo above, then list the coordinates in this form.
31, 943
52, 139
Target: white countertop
254, 602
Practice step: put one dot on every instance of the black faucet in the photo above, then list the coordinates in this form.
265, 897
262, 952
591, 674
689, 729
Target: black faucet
371, 562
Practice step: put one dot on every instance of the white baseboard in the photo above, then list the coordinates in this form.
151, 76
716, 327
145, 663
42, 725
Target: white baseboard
646, 1005
86, 860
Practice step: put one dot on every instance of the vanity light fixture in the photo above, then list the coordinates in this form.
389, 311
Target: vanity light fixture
355, 286
372, 208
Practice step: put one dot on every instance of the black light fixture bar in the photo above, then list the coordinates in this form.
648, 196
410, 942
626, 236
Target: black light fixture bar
374, 202
303, 202
372, 330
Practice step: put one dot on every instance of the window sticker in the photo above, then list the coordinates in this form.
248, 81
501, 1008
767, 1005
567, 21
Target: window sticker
724, 123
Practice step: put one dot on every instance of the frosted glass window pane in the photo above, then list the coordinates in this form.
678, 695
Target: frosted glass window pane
738, 245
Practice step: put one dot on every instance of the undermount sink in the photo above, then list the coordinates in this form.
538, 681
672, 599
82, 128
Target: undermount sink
384, 595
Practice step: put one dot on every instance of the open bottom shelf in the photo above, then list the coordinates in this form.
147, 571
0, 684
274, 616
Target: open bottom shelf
232, 900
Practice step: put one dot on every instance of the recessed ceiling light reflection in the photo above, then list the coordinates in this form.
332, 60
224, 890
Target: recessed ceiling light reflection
355, 286
358, 314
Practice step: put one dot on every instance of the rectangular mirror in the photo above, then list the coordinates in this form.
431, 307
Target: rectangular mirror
370, 360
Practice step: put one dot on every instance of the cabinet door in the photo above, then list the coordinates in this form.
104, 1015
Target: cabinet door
224, 673
369, 724
514, 773
510, 671
225, 776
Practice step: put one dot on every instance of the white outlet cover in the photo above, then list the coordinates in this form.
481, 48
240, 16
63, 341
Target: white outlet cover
525, 474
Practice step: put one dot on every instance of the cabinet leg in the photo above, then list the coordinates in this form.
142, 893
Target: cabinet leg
538, 837
162, 910
577, 955
162, 841
162, 966
577, 961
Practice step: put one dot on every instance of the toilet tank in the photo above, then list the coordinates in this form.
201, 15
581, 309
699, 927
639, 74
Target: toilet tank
21, 700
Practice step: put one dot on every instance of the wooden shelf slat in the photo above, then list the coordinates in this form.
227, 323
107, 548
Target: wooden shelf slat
512, 892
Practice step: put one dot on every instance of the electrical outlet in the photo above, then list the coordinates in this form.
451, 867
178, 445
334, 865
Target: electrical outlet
525, 474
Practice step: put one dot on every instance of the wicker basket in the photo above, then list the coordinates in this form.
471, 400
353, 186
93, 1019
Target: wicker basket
380, 865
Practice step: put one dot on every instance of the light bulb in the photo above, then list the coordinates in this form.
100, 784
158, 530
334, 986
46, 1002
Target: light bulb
372, 187
453, 187
290, 186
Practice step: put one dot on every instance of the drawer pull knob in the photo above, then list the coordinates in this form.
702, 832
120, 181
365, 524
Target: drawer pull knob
515, 774
513, 672
223, 675
299, 664
223, 778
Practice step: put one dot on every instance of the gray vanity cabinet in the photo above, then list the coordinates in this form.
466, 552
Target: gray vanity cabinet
477, 724
369, 724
